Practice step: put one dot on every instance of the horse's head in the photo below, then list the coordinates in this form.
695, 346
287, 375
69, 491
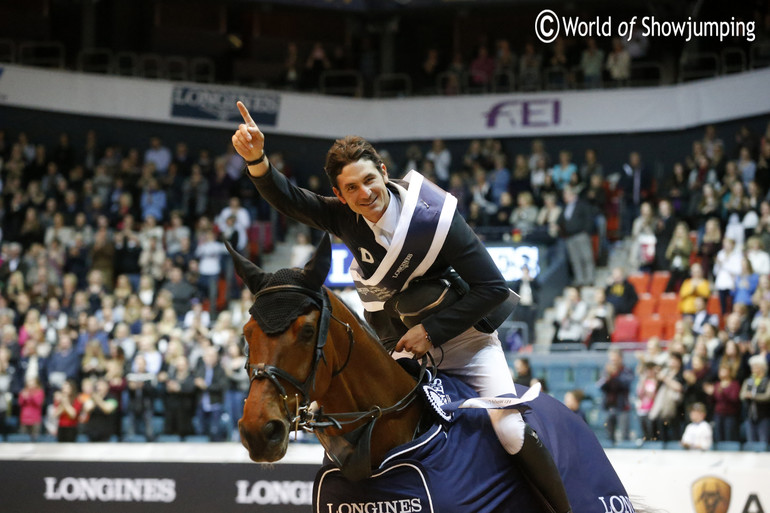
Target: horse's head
285, 341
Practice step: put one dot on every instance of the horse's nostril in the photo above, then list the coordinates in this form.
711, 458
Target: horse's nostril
274, 431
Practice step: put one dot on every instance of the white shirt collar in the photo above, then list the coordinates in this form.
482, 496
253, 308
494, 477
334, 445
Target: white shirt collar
389, 220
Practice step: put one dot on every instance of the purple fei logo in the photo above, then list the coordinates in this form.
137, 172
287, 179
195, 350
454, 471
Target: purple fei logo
537, 113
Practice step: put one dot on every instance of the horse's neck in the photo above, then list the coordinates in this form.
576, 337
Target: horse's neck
370, 378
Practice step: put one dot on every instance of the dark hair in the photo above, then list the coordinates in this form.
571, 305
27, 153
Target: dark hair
346, 151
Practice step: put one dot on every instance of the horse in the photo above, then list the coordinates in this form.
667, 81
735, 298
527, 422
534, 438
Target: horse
313, 364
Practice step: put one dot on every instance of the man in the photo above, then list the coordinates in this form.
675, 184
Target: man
636, 183
395, 235
576, 223
620, 293
615, 385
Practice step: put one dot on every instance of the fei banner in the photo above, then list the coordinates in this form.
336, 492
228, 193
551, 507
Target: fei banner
656, 109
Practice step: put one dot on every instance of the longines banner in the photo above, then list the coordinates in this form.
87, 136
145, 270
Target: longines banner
496, 115
206, 478
114, 487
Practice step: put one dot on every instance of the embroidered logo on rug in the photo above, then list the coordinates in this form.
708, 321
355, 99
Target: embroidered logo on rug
437, 397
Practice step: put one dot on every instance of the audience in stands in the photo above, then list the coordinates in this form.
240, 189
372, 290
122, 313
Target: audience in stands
98, 274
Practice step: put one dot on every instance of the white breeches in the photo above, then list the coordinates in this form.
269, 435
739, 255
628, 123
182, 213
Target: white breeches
478, 359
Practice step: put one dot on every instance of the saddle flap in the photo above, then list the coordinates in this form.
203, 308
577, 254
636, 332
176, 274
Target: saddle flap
351, 451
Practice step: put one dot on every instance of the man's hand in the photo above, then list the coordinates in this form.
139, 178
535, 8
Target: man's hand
415, 341
249, 141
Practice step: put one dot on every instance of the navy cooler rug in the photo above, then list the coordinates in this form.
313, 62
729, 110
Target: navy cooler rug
459, 466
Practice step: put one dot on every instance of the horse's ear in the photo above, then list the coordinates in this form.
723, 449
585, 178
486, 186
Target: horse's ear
247, 270
319, 264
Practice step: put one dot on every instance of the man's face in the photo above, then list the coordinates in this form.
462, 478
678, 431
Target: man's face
361, 186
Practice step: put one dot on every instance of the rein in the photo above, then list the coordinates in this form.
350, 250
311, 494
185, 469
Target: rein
304, 416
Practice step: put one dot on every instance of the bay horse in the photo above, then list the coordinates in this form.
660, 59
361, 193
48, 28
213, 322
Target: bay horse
313, 364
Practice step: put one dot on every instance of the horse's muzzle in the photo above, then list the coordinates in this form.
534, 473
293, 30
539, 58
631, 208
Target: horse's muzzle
266, 443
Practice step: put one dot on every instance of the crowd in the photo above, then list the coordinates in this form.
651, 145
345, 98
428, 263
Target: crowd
118, 304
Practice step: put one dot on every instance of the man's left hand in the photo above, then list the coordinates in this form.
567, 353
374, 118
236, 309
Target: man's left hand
415, 341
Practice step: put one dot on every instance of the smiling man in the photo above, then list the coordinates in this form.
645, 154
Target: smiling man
408, 239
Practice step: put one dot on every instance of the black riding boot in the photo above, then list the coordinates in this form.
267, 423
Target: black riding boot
538, 467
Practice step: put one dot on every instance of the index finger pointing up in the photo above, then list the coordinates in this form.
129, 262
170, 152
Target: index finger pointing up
245, 114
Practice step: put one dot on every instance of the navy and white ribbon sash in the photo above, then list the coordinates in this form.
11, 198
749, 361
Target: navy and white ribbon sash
426, 216
501, 402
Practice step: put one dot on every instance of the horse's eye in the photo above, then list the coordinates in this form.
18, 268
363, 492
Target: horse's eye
307, 332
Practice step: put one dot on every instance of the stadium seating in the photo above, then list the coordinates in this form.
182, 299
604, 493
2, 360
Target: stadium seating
640, 281
626, 329
645, 307
650, 326
659, 282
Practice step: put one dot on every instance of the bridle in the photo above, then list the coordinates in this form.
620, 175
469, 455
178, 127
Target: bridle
303, 415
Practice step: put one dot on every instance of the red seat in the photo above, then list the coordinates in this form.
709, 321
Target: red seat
668, 305
669, 328
626, 329
659, 282
645, 307
651, 326
640, 281
714, 306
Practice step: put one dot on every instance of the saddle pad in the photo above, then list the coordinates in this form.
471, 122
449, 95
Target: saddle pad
402, 487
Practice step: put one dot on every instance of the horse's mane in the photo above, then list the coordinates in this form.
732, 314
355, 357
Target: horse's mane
361, 321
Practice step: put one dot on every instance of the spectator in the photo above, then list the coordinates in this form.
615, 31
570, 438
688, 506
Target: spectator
759, 258
710, 246
31, 400
666, 409
636, 183
570, 316
527, 289
615, 385
234, 363
102, 410
211, 381
179, 398
572, 400
694, 286
563, 171
643, 239
701, 317
599, 322
756, 394
209, 254
646, 388
158, 155
195, 194
745, 284
524, 216
67, 408
522, 372
678, 256
141, 396
64, 363
620, 293
482, 69
234, 208
727, 405
591, 63
576, 224
619, 63
529, 68
181, 291
698, 434
442, 160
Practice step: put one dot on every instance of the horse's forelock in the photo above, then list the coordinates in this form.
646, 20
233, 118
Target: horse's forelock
276, 311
